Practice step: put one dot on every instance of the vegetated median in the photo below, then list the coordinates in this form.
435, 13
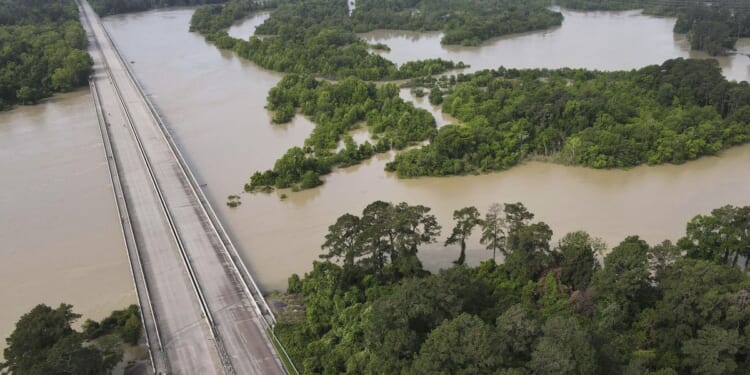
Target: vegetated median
43, 50
549, 308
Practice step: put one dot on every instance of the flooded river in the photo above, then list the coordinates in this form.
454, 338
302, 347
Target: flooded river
60, 235
60, 238
592, 40
215, 101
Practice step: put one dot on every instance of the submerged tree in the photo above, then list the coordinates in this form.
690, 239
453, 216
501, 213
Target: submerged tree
493, 230
466, 219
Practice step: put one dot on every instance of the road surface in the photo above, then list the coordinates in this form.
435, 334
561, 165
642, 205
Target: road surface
202, 312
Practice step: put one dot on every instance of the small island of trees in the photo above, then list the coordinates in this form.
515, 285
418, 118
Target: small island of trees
669, 113
711, 26
337, 108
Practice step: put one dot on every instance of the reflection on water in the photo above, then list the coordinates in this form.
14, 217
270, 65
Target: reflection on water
214, 103
60, 236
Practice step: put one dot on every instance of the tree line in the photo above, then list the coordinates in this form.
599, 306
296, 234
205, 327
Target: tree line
462, 22
551, 308
43, 50
45, 342
713, 26
669, 113
305, 37
110, 7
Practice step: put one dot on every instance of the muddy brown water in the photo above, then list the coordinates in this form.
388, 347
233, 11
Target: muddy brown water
60, 239
60, 236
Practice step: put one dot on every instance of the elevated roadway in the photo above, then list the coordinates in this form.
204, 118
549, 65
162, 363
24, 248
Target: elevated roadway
202, 311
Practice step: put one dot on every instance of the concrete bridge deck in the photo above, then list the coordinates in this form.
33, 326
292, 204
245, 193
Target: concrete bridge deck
202, 312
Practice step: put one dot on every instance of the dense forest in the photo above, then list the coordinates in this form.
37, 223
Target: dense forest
463, 22
307, 37
551, 308
109, 7
44, 342
337, 108
668, 113
713, 26
43, 50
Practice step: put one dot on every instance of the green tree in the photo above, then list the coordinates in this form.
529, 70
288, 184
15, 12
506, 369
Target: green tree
44, 342
626, 280
564, 349
712, 352
493, 230
341, 240
463, 345
578, 261
517, 215
529, 250
518, 329
436, 96
723, 236
466, 219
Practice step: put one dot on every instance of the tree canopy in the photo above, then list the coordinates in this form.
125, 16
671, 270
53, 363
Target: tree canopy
463, 22
44, 342
548, 309
337, 108
43, 50
306, 37
669, 113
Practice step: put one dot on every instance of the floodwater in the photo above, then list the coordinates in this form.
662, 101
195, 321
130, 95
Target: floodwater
60, 235
592, 40
246, 28
61, 240
214, 102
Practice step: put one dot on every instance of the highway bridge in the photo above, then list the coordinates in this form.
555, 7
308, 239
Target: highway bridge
202, 311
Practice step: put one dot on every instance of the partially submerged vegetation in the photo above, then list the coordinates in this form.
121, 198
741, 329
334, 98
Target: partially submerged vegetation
668, 113
336, 108
462, 22
234, 201
306, 37
43, 50
44, 342
550, 308
671, 113
712, 26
